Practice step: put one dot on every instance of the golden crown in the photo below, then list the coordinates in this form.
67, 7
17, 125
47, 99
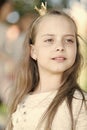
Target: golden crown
42, 11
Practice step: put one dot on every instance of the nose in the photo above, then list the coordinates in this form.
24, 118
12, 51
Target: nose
59, 49
59, 46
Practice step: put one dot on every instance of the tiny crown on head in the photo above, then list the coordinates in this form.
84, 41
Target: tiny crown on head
43, 10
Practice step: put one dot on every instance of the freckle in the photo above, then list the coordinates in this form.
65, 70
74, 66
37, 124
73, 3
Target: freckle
24, 113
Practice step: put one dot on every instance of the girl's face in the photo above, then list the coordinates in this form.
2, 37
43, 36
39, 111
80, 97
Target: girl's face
55, 44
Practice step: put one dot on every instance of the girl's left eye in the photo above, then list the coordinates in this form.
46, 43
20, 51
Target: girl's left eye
69, 41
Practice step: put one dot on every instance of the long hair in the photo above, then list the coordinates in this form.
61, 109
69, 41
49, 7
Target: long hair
27, 76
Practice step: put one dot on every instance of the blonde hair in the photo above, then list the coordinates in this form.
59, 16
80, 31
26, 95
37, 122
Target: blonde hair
27, 77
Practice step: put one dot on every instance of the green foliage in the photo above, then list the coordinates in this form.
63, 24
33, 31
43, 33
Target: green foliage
22, 7
3, 109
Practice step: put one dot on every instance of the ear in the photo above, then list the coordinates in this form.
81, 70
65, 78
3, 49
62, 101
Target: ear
33, 52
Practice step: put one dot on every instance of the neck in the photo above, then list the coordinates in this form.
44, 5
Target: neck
49, 83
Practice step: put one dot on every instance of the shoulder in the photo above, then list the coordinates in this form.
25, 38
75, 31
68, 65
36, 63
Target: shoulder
79, 96
79, 107
78, 104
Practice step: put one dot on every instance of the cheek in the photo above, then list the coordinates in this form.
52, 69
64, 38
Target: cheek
75, 51
40, 53
72, 52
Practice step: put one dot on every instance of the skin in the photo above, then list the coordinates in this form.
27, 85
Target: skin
55, 51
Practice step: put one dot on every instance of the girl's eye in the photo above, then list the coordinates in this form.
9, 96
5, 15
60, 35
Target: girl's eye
69, 41
49, 40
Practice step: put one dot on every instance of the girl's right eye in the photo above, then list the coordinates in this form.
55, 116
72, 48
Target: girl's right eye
50, 40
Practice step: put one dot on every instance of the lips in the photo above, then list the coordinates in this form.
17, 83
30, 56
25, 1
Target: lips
59, 58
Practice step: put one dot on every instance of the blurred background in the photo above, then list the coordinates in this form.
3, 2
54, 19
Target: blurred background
15, 17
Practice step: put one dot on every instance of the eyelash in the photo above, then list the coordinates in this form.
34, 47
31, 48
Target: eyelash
69, 40
49, 40
65, 40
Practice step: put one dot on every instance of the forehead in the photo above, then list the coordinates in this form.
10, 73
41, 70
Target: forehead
53, 23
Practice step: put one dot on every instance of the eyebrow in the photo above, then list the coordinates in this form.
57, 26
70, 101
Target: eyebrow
48, 35
70, 35
54, 35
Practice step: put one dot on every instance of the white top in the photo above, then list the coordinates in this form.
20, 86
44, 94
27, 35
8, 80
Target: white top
31, 109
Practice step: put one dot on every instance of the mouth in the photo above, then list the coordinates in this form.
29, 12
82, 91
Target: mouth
59, 59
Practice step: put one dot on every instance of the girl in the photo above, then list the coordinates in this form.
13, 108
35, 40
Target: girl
47, 95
